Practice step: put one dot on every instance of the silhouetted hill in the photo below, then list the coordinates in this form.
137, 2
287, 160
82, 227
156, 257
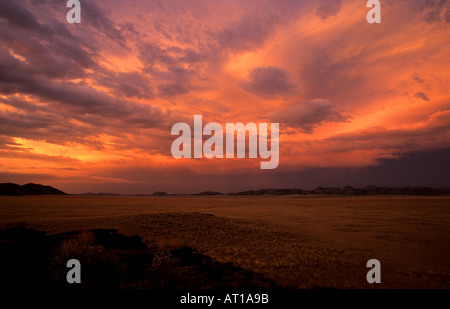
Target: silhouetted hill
208, 193
100, 194
159, 193
36, 189
348, 190
272, 192
28, 189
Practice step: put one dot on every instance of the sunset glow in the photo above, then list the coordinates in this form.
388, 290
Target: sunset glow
89, 107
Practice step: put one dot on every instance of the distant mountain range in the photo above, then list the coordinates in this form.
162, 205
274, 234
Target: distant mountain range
28, 189
36, 189
348, 190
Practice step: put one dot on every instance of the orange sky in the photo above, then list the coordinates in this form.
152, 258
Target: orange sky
89, 107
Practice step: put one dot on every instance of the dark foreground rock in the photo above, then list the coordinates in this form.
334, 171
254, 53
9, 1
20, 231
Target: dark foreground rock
111, 260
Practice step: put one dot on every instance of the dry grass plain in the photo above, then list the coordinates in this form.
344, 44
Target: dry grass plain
298, 241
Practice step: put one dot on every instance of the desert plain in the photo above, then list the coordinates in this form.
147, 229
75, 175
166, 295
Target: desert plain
297, 241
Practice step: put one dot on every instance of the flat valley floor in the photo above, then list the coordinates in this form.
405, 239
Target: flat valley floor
297, 241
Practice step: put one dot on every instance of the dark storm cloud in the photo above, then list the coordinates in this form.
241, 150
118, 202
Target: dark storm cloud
171, 89
41, 44
76, 98
174, 69
7, 142
19, 16
175, 77
152, 53
95, 17
328, 8
418, 79
422, 95
39, 122
37, 60
158, 26
418, 168
53, 55
268, 81
252, 29
307, 115
432, 11
13, 123
436, 10
51, 127
322, 76
250, 25
127, 84
248, 33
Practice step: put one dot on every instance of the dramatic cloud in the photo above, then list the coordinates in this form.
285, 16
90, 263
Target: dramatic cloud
436, 10
328, 8
422, 96
268, 81
249, 33
19, 16
92, 104
307, 115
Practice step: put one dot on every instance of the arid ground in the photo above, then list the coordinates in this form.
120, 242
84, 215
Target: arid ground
298, 241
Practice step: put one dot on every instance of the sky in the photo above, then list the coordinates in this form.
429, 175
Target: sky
89, 107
